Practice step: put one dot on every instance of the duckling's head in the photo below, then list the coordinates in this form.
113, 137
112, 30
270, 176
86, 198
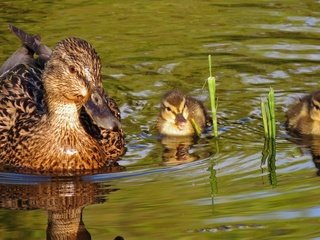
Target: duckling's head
174, 115
315, 106
72, 72
174, 110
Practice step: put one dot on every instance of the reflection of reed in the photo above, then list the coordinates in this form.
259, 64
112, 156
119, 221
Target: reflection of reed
64, 199
269, 157
176, 150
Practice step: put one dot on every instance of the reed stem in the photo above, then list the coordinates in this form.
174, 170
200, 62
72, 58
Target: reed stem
212, 93
268, 115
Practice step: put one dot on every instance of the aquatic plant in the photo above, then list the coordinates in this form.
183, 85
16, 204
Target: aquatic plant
268, 115
269, 125
196, 127
212, 93
269, 158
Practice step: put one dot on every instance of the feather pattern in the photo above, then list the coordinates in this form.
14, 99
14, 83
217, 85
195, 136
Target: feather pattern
44, 124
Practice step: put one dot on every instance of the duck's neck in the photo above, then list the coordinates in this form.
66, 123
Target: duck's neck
64, 115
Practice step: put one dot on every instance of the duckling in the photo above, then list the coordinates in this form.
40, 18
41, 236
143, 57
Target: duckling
304, 117
57, 118
177, 111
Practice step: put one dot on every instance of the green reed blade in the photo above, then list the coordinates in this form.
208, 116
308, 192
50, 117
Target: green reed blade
212, 93
271, 105
196, 127
268, 115
269, 119
264, 118
210, 72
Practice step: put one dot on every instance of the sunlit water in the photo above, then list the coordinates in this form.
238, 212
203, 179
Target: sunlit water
220, 189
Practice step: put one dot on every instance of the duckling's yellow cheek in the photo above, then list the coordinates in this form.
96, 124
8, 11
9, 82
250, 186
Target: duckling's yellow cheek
185, 114
168, 116
315, 115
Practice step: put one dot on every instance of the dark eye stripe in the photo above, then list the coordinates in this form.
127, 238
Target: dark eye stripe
315, 105
184, 106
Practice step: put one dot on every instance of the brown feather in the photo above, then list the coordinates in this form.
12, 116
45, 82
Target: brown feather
43, 125
304, 117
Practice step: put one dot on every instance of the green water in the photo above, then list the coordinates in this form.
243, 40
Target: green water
221, 190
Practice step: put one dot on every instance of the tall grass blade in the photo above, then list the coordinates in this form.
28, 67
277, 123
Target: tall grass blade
271, 104
212, 93
196, 127
264, 118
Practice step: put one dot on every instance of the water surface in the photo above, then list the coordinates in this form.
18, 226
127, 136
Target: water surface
219, 188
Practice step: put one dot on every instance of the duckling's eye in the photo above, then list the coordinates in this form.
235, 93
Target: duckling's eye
316, 107
72, 69
168, 109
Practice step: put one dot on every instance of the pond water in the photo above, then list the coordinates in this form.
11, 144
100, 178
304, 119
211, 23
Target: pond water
221, 188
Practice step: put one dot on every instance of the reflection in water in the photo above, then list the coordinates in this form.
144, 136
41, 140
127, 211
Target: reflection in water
269, 157
64, 200
108, 168
176, 150
313, 144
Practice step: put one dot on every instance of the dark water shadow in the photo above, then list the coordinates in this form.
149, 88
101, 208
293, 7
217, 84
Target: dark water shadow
311, 143
63, 198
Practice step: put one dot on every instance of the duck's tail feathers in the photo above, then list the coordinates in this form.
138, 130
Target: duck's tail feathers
32, 42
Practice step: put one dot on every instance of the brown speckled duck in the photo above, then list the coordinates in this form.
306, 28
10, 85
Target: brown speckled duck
54, 114
177, 111
304, 117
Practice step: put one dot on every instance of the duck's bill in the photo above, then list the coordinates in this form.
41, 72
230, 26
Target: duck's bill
99, 111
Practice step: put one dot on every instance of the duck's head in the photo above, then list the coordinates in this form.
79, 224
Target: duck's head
72, 71
315, 106
72, 75
174, 109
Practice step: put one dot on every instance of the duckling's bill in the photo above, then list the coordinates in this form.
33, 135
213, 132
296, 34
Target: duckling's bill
98, 109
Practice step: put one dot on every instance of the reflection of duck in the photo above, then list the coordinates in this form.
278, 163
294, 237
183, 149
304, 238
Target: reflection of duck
64, 200
176, 150
311, 143
56, 119
177, 112
304, 117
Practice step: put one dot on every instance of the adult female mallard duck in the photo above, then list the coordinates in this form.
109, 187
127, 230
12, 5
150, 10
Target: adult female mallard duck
56, 118
177, 112
304, 117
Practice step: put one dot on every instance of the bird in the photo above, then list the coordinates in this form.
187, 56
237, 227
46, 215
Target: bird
303, 118
178, 111
55, 117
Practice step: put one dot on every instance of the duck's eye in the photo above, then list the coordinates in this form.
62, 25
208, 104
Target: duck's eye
168, 109
72, 69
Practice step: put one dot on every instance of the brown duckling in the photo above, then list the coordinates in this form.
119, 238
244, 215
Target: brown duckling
58, 119
304, 117
176, 113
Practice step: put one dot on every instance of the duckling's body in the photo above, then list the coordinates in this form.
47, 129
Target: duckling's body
48, 116
304, 117
177, 112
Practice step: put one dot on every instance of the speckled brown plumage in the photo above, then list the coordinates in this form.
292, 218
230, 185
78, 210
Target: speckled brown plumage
44, 125
177, 111
304, 117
